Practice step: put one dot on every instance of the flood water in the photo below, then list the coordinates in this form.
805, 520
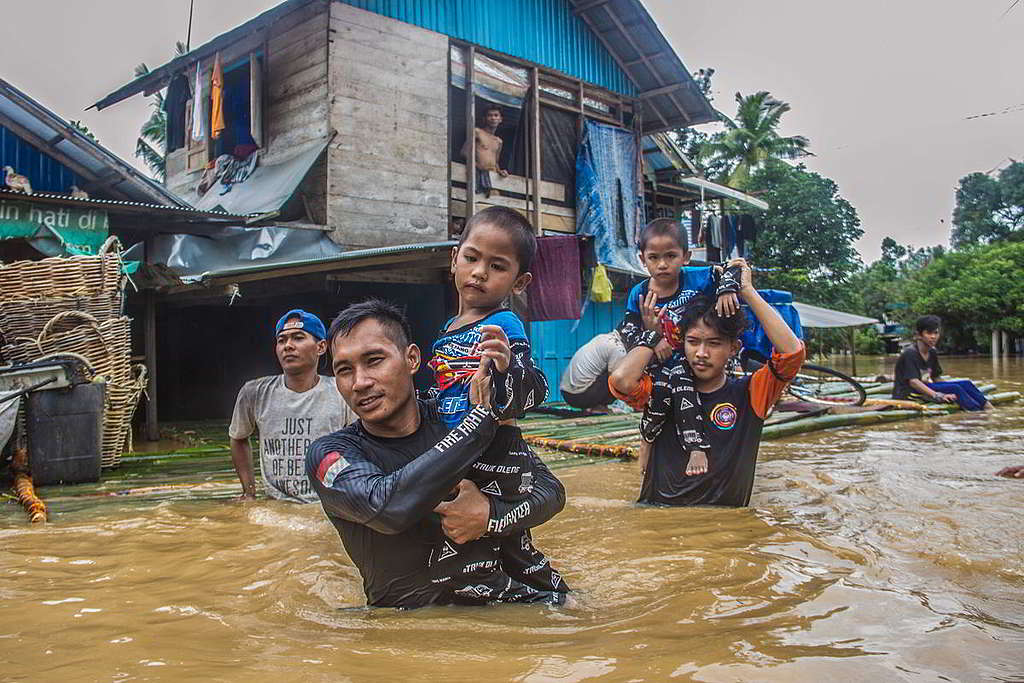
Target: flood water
887, 552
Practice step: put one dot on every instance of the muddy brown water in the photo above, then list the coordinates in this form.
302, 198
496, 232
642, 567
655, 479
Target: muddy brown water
880, 553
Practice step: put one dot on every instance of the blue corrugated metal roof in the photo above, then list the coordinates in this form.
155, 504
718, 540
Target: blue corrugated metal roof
556, 37
45, 173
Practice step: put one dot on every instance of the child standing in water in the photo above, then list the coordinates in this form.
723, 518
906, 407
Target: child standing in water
491, 263
653, 311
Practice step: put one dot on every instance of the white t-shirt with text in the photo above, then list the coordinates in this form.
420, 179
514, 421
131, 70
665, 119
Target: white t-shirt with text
287, 422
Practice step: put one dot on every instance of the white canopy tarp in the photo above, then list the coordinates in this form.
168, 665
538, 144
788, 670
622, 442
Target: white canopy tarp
816, 316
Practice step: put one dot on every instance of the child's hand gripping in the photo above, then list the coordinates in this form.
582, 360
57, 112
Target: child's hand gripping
736, 270
495, 353
651, 315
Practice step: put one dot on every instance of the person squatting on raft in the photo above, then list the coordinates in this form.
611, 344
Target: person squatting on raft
584, 383
487, 148
380, 479
920, 362
653, 311
289, 410
491, 263
734, 408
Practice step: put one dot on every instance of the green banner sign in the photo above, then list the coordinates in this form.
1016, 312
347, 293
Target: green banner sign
83, 230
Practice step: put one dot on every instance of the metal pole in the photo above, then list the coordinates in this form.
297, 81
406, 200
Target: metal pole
152, 423
470, 134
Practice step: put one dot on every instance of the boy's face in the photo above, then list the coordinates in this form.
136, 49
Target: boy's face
663, 257
708, 350
493, 119
930, 337
486, 268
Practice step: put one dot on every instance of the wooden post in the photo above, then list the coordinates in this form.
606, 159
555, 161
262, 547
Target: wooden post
535, 147
470, 134
996, 337
853, 351
152, 423
1005, 346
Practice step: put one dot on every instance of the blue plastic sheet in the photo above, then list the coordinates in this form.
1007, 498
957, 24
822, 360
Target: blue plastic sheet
609, 207
754, 338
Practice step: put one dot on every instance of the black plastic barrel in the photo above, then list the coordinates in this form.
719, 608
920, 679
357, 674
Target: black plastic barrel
65, 434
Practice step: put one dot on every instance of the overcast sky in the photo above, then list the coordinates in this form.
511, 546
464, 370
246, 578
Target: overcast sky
884, 90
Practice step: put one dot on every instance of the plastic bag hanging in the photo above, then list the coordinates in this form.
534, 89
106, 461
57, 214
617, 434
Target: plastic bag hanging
601, 285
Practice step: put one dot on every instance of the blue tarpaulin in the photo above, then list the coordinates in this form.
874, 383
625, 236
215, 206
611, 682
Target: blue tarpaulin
609, 207
754, 338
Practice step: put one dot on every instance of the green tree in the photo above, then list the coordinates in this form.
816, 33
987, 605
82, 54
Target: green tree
691, 141
752, 139
806, 237
987, 208
151, 145
84, 130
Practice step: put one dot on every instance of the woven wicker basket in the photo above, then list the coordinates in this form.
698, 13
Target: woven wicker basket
27, 317
61, 276
121, 401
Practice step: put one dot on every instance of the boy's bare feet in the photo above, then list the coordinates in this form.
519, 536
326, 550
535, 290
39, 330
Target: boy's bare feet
698, 463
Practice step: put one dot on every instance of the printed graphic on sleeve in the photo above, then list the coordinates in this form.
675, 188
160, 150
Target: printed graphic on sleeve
330, 467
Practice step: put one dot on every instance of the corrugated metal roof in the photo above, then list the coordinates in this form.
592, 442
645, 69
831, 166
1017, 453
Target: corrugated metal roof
44, 130
610, 43
116, 205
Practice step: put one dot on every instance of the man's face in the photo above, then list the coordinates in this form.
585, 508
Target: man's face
493, 119
930, 337
708, 351
663, 258
298, 351
373, 375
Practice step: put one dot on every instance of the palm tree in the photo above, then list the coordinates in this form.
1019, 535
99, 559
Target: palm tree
752, 138
151, 145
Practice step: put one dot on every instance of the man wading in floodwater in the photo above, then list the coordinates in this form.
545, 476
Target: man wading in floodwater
381, 478
289, 410
734, 408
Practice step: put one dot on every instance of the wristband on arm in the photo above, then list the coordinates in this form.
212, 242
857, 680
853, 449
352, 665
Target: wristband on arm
649, 338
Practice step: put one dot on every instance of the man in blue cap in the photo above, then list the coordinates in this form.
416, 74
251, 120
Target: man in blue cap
290, 411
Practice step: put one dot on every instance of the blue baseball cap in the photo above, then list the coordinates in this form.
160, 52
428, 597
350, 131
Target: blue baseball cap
307, 322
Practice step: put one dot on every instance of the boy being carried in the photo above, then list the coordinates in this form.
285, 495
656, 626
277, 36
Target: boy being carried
492, 262
654, 309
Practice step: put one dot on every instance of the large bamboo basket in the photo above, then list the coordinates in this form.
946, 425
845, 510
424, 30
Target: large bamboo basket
106, 347
62, 276
25, 317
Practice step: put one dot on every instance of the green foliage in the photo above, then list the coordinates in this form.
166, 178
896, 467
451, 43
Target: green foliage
987, 208
807, 234
151, 146
691, 141
84, 130
867, 341
751, 140
973, 290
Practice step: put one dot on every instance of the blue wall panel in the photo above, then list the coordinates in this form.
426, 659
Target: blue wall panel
542, 31
554, 342
45, 173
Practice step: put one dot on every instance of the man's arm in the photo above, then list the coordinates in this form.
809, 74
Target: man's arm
783, 340
541, 504
628, 381
353, 488
241, 457
925, 390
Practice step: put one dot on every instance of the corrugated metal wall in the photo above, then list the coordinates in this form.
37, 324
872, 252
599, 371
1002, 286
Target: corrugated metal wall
45, 173
554, 342
541, 31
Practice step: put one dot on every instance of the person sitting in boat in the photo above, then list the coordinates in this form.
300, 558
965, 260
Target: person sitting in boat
733, 408
918, 371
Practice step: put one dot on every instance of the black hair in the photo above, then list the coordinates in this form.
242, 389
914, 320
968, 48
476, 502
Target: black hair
490, 107
928, 323
512, 222
390, 317
664, 226
701, 309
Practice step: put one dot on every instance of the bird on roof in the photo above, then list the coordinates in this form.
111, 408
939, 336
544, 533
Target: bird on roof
78, 194
16, 182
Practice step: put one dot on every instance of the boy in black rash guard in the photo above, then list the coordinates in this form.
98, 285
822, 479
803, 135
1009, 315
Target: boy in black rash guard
491, 263
665, 251
379, 478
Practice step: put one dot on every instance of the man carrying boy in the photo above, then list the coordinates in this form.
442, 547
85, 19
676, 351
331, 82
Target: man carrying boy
487, 148
665, 251
290, 411
919, 362
380, 478
733, 408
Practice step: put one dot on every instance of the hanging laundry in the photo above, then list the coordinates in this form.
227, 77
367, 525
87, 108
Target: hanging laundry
198, 129
217, 99
555, 291
175, 103
714, 232
728, 236
749, 224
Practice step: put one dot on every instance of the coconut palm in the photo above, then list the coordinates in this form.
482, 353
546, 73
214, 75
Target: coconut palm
151, 145
752, 138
